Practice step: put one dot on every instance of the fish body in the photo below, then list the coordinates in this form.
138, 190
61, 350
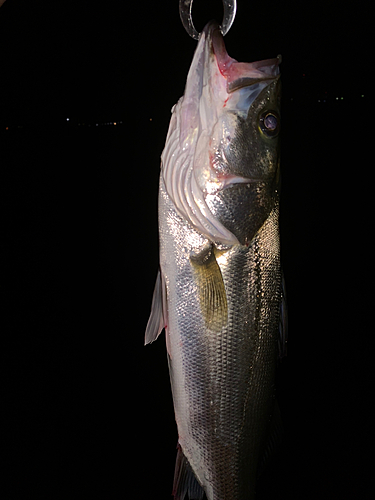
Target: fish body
219, 292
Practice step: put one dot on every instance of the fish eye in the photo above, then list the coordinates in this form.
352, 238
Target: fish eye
269, 123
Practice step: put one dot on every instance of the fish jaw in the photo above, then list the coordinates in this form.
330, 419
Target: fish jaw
218, 95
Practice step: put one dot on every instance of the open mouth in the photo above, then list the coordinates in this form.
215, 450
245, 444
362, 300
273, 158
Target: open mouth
239, 74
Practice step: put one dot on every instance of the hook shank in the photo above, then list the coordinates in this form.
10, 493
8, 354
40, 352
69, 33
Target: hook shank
230, 7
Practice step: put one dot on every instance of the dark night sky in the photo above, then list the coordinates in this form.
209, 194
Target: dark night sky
89, 57
88, 410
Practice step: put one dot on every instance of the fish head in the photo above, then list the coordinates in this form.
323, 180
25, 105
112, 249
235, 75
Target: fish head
245, 130
221, 159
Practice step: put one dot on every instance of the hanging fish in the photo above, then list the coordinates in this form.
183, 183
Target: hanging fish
219, 293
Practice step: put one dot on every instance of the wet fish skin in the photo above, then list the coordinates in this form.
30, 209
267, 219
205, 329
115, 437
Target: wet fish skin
243, 208
219, 290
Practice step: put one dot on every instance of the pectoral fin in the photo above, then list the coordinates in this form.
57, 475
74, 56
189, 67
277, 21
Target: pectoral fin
211, 289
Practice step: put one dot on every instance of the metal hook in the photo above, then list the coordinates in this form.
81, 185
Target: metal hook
230, 7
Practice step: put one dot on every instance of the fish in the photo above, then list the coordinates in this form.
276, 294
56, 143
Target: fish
219, 292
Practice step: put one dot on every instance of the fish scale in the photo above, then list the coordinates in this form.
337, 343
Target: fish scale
219, 292
220, 375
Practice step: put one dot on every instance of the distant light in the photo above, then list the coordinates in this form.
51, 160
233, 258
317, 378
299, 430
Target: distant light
6, 128
150, 119
362, 95
114, 123
337, 98
97, 124
67, 119
318, 100
342, 98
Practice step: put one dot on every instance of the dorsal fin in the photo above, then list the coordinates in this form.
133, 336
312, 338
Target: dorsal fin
283, 321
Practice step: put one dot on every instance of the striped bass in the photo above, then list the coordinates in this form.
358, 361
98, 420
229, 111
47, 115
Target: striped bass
218, 294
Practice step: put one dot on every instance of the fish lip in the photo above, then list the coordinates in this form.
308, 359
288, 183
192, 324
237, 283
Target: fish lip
238, 74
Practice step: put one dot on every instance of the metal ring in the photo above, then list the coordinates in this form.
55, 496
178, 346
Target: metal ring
230, 8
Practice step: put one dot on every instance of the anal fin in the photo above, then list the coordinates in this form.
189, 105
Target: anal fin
184, 481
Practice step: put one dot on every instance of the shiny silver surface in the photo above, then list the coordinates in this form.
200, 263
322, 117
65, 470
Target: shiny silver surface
220, 288
230, 8
222, 378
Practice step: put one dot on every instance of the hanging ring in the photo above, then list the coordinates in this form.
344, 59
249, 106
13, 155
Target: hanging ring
230, 7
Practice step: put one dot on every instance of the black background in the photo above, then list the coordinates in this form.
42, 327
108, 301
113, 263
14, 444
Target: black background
86, 408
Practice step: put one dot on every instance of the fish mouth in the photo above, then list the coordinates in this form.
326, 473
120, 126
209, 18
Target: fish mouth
239, 74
